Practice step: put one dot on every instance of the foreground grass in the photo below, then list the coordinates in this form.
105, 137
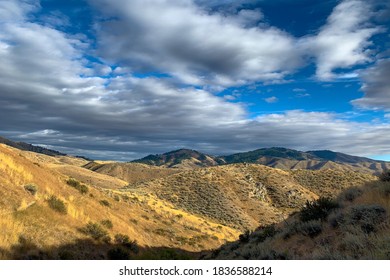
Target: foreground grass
355, 225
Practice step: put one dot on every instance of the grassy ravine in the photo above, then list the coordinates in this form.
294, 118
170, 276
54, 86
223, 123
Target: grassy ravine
355, 225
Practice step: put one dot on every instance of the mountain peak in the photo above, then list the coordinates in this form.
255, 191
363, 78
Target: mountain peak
180, 158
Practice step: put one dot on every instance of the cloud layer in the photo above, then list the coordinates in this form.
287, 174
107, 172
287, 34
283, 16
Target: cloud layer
52, 94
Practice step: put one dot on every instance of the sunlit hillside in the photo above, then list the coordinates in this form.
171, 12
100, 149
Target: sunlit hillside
46, 215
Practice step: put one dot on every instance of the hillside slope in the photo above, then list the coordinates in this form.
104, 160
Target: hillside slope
130, 172
281, 158
353, 226
28, 147
183, 158
245, 195
44, 217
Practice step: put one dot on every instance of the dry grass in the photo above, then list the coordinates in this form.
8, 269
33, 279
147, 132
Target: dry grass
358, 229
29, 226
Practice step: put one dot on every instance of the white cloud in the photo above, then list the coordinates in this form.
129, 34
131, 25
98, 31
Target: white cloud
302, 95
48, 89
180, 38
14, 10
343, 41
272, 99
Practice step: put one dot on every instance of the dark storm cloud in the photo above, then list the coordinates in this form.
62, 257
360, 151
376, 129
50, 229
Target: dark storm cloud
376, 86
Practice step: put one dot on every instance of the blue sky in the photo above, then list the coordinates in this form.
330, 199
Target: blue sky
113, 79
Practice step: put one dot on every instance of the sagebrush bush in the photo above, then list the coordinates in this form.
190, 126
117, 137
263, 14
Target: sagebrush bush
118, 253
244, 237
337, 219
95, 230
83, 189
105, 202
385, 176
107, 223
31, 188
351, 194
367, 216
310, 228
124, 240
265, 232
318, 209
57, 204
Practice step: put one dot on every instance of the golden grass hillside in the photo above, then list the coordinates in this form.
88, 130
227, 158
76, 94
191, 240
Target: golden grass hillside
355, 225
45, 215
245, 195
130, 172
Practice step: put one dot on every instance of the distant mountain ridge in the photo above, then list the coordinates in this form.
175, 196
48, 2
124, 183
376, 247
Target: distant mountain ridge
31, 148
277, 157
181, 158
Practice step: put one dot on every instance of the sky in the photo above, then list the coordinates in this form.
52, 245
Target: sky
116, 79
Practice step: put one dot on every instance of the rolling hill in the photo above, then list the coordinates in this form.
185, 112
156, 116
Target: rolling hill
28, 147
355, 225
183, 158
281, 158
245, 195
63, 207
47, 215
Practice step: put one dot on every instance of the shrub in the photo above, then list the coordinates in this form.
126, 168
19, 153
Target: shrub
351, 194
105, 202
244, 237
121, 238
83, 189
31, 188
118, 254
385, 176
57, 204
367, 216
317, 210
107, 224
95, 231
311, 228
336, 219
265, 232
124, 240
66, 255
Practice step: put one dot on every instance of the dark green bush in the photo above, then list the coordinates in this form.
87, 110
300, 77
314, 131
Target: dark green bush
107, 224
265, 232
244, 237
124, 240
121, 238
367, 216
385, 176
57, 204
83, 189
337, 219
118, 253
105, 202
311, 228
351, 194
317, 210
31, 188
95, 230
